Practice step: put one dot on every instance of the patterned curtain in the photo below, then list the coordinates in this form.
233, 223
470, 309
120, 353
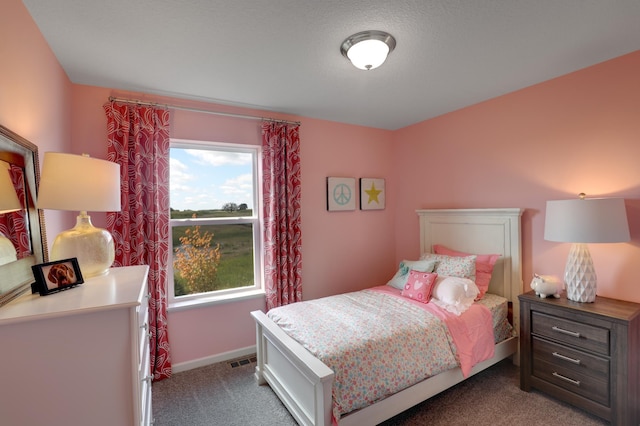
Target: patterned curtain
282, 234
138, 140
13, 225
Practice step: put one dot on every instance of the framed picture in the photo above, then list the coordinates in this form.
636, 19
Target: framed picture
372, 194
52, 277
341, 194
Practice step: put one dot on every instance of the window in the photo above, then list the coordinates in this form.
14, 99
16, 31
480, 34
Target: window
215, 221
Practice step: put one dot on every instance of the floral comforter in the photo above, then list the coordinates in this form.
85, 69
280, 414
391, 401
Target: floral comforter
377, 344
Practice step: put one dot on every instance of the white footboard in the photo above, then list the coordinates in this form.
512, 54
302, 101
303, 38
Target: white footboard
301, 381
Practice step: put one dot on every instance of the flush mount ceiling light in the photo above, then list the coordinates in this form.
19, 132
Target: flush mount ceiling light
368, 49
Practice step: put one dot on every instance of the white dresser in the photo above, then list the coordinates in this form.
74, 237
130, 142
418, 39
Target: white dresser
79, 357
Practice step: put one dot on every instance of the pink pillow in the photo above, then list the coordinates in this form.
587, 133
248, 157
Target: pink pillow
419, 286
484, 266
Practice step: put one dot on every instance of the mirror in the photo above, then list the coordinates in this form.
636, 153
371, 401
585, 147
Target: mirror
25, 226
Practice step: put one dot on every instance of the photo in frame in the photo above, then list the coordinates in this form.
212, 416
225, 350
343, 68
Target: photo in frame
341, 194
52, 277
372, 194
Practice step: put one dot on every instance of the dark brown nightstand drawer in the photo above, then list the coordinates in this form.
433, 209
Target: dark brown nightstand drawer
582, 384
569, 359
581, 335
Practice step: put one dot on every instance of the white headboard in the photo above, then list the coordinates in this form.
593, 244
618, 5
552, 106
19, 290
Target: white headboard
481, 231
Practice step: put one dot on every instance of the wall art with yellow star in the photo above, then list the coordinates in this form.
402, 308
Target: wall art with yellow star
372, 194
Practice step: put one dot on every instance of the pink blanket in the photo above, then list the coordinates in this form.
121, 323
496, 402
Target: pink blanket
472, 332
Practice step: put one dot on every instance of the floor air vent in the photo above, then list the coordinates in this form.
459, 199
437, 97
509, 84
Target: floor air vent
242, 361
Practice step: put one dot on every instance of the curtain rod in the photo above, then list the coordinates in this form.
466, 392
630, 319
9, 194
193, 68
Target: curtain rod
225, 114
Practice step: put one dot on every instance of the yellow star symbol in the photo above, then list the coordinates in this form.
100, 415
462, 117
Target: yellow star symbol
373, 193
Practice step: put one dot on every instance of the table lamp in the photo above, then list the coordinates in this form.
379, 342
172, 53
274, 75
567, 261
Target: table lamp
81, 183
581, 221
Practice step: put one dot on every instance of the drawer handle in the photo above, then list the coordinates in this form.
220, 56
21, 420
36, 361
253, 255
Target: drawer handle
566, 358
566, 379
563, 331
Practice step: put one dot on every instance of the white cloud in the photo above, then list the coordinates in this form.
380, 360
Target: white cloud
217, 158
240, 188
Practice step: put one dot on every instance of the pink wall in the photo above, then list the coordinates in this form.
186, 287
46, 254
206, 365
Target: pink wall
34, 91
577, 133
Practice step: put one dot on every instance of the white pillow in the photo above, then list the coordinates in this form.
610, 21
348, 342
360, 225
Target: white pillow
454, 294
400, 278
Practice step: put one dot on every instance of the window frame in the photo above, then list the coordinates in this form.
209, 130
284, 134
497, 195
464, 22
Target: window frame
234, 294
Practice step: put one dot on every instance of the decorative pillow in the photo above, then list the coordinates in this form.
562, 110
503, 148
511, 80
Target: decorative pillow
454, 294
419, 285
484, 266
453, 266
400, 278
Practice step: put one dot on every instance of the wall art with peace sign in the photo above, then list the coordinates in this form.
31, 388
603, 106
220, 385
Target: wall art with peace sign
341, 194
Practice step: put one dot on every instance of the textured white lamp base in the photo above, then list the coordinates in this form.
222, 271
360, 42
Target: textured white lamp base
580, 275
92, 246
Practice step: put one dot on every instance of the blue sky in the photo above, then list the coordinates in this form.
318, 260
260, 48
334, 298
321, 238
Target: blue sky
207, 180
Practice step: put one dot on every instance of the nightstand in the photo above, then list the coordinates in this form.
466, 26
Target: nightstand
586, 354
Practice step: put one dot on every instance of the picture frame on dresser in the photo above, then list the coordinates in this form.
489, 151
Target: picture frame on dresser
56, 276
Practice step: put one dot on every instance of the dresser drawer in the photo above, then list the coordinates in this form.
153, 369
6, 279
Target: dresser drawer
144, 400
578, 334
144, 306
143, 336
142, 313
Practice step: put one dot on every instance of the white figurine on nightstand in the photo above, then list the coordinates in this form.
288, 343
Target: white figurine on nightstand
547, 285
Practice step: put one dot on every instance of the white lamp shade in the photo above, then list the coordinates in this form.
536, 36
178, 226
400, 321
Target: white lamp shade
589, 220
79, 183
368, 54
9, 200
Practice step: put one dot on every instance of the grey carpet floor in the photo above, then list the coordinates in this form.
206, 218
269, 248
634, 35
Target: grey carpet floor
220, 395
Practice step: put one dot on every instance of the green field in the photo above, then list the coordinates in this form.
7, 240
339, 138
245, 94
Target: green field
236, 248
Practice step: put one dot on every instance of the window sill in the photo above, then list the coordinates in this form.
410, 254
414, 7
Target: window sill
215, 300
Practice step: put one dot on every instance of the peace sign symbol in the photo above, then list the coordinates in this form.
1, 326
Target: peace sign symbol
341, 194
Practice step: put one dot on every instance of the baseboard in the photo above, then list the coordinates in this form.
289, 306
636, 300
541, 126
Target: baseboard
213, 359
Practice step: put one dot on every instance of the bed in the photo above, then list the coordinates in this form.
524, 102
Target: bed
304, 383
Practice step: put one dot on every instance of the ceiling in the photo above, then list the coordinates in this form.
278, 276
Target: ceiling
284, 55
